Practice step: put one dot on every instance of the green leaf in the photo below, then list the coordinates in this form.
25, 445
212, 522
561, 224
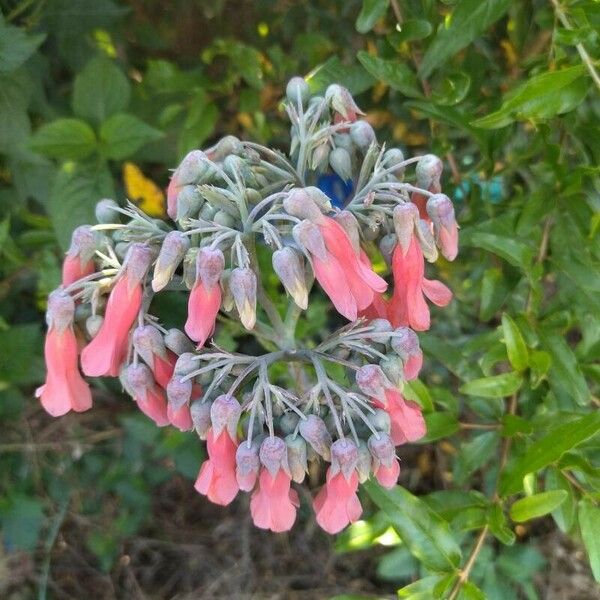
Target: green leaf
537, 505
22, 521
396, 74
565, 374
70, 139
410, 30
100, 90
493, 293
423, 531
352, 76
515, 252
515, 344
589, 522
541, 97
469, 591
371, 12
421, 589
452, 89
439, 425
19, 362
539, 363
474, 454
565, 514
496, 386
16, 46
496, 520
76, 190
122, 135
549, 449
469, 19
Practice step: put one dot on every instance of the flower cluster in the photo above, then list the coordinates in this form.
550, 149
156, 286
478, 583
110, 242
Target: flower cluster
335, 206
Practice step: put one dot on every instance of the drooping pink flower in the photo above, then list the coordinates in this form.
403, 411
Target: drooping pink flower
407, 306
406, 344
104, 355
79, 261
150, 397
407, 422
205, 298
149, 344
188, 172
180, 393
273, 504
386, 466
64, 388
217, 477
445, 228
336, 505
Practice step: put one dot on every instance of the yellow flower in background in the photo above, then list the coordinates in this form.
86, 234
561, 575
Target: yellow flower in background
143, 192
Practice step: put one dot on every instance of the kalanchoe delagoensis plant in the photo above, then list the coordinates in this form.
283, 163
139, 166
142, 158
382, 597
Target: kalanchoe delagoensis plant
339, 201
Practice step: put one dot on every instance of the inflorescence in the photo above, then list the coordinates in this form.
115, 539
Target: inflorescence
338, 202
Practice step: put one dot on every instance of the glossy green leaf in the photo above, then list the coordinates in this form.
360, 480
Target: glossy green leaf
589, 522
515, 344
371, 12
468, 20
70, 139
421, 589
537, 505
516, 253
496, 386
122, 135
410, 30
100, 90
439, 425
396, 74
541, 97
549, 449
469, 591
493, 293
539, 363
453, 89
423, 531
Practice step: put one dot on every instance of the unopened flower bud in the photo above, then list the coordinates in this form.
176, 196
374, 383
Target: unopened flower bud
380, 419
273, 455
314, 431
406, 218
178, 342
189, 267
247, 463
372, 381
393, 157
344, 457
363, 466
189, 202
428, 172
225, 146
209, 266
137, 262
137, 380
350, 225
242, 283
441, 212
296, 455
84, 241
387, 244
185, 364
298, 203
93, 324
362, 134
405, 343
148, 343
225, 413
297, 89
341, 163
288, 422
320, 198
222, 217
426, 241
290, 270
320, 157
308, 236
200, 414
392, 367
179, 392
341, 101
172, 251
191, 169
105, 211
382, 449
61, 310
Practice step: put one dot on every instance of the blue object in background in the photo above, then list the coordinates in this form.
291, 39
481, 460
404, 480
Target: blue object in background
338, 190
491, 191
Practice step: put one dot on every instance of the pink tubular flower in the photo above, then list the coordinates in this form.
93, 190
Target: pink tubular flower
79, 261
406, 344
445, 228
64, 389
105, 353
386, 467
407, 423
205, 297
337, 504
149, 344
407, 306
273, 504
217, 477
150, 398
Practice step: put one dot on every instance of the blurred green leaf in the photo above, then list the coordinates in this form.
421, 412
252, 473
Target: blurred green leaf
498, 525
469, 591
70, 139
515, 344
122, 135
496, 386
516, 253
421, 589
352, 76
100, 90
22, 518
371, 12
439, 425
589, 522
468, 20
543, 96
537, 505
549, 449
566, 513
20, 360
396, 74
409, 30
423, 531
16, 46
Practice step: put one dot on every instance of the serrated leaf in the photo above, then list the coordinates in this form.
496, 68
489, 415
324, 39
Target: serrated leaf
496, 386
122, 135
396, 74
469, 19
100, 90
537, 505
541, 97
371, 12
549, 449
589, 522
423, 531
515, 344
69, 139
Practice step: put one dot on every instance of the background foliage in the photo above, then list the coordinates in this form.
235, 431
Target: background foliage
99, 98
